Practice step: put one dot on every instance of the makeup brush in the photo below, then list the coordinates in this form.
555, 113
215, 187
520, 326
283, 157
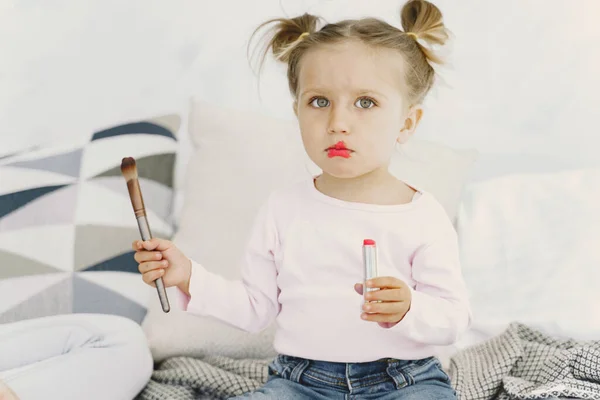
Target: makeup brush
129, 171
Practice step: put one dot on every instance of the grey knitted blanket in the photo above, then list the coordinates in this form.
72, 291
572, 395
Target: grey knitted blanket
521, 363
212, 377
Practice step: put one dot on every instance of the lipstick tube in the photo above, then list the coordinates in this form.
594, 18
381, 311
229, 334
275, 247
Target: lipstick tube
369, 263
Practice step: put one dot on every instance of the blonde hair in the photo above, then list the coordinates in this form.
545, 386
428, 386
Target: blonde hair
290, 39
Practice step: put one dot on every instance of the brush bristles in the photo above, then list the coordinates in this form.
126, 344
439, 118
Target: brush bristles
128, 168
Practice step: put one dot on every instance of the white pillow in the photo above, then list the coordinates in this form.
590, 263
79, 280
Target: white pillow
435, 168
239, 158
529, 249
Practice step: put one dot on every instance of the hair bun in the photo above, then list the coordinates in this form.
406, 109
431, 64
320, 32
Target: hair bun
424, 20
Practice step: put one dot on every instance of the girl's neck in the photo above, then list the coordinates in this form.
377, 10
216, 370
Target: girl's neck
376, 187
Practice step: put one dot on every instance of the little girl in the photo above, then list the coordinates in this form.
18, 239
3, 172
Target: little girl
357, 87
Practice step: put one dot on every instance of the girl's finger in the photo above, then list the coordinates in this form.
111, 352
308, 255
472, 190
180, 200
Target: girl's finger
386, 295
358, 287
384, 308
385, 282
143, 256
150, 277
157, 244
152, 266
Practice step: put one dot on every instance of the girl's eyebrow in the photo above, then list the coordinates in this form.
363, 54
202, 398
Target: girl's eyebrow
360, 92
371, 92
310, 90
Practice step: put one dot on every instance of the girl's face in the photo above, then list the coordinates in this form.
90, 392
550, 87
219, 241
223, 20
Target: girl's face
352, 109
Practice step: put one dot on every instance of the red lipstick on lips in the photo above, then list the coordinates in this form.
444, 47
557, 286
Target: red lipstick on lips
338, 150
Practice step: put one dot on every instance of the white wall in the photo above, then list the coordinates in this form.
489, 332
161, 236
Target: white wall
523, 76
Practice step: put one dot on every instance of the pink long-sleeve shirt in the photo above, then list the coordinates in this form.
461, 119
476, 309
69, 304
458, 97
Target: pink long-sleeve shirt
304, 256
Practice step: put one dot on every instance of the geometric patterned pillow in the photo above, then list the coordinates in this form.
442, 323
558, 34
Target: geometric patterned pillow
66, 222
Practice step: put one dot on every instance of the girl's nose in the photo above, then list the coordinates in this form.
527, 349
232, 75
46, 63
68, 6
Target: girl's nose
338, 121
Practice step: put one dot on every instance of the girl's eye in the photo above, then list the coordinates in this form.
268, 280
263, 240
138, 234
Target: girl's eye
364, 102
319, 102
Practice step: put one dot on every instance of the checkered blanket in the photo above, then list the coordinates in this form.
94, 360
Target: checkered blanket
521, 363
208, 378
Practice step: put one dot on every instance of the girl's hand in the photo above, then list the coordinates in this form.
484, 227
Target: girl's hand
394, 297
161, 258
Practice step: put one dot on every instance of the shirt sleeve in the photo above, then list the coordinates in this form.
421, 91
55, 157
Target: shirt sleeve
250, 303
439, 310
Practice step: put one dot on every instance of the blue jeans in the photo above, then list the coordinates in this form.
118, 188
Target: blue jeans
386, 379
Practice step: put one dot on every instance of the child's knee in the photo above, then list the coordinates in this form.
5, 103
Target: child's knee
127, 337
131, 336
6, 393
